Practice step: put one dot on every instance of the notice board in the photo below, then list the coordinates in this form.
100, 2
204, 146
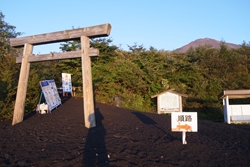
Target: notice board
66, 82
169, 102
50, 93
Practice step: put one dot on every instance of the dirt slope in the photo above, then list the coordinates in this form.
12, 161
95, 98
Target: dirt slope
122, 138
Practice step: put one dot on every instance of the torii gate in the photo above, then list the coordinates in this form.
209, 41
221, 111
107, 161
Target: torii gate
84, 34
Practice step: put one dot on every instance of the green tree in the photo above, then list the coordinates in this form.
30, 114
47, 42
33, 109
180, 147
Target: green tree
9, 69
74, 66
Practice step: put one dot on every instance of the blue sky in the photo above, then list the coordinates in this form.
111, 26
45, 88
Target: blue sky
163, 24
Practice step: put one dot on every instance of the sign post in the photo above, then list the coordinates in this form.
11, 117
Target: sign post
66, 83
184, 122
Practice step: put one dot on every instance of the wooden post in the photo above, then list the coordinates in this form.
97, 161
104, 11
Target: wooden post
184, 141
22, 85
88, 99
158, 105
180, 103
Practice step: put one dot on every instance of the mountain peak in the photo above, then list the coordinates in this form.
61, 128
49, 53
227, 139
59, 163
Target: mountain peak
206, 41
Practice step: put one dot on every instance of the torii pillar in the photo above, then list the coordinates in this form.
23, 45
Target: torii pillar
88, 100
84, 34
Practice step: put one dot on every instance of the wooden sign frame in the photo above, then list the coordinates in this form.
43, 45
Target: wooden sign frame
84, 34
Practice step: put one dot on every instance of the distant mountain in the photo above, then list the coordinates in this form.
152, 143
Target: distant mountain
206, 41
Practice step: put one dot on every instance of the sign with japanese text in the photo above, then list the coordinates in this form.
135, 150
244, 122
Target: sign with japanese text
50, 93
184, 122
66, 82
169, 102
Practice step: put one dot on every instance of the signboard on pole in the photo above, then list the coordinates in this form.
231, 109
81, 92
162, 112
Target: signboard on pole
184, 121
66, 83
50, 93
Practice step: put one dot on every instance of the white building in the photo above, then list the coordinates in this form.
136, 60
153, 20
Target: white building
235, 113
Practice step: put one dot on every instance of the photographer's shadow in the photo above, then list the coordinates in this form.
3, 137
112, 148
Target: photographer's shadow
95, 153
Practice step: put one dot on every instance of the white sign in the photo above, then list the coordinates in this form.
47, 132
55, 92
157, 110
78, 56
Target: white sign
169, 101
66, 82
184, 122
50, 93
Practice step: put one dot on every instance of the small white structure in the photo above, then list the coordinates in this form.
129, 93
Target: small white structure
169, 101
237, 113
43, 108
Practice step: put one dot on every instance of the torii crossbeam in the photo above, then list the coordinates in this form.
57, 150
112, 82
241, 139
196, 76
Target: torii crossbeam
84, 34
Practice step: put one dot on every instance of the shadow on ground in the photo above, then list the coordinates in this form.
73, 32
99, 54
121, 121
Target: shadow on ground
95, 153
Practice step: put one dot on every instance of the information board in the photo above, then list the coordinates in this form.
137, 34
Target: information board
66, 82
184, 122
169, 102
50, 93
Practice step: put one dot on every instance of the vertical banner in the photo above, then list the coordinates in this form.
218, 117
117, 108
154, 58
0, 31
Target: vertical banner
184, 122
50, 93
66, 82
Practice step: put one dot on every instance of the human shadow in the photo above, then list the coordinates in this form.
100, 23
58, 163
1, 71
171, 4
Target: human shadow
148, 121
95, 153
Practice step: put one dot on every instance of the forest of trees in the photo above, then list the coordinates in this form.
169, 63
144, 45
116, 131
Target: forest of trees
134, 75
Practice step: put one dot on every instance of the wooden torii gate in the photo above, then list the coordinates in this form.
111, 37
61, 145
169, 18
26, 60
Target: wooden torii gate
84, 34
